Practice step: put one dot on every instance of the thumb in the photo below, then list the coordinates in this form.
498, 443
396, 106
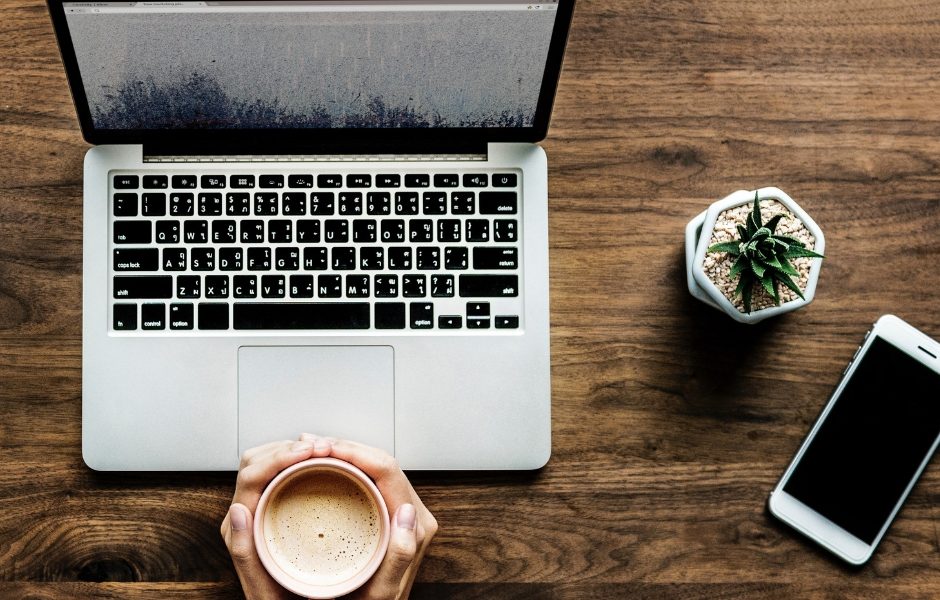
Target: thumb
256, 583
402, 545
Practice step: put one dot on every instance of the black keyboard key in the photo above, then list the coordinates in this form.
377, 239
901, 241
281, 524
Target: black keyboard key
455, 259
504, 180
280, 231
379, 203
321, 203
174, 259
259, 259
462, 203
475, 180
336, 231
126, 182
252, 232
406, 203
478, 230
143, 286
202, 259
181, 205
270, 181
442, 286
181, 316
386, 286
213, 316
308, 232
446, 180
329, 181
393, 231
216, 287
357, 286
125, 205
231, 259
294, 203
428, 258
212, 182
422, 315
449, 322
188, 286
273, 286
498, 203
478, 323
399, 259
315, 259
125, 317
489, 286
358, 181
504, 230
300, 181
156, 182
210, 204
282, 315
344, 259
417, 181
389, 315
153, 205
136, 259
245, 286
301, 286
434, 203
478, 309
495, 258
242, 181
448, 230
387, 181
184, 182
266, 203
287, 259
329, 286
224, 232
350, 203
237, 204
507, 322
420, 231
371, 258
196, 232
168, 232
414, 286
153, 317
132, 232
364, 231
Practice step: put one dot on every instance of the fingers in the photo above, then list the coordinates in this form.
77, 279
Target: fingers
263, 465
382, 468
237, 532
389, 580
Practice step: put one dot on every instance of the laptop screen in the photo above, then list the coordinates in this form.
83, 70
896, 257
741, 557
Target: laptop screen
344, 64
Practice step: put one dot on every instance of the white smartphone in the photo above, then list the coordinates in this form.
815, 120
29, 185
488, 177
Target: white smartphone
869, 446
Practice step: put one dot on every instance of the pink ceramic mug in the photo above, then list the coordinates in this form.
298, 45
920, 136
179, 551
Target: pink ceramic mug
340, 528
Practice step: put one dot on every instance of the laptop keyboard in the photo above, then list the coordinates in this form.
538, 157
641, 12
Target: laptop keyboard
388, 251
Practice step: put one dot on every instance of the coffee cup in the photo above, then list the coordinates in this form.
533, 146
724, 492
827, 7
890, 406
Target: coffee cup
321, 528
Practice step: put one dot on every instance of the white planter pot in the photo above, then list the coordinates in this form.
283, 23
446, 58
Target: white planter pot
698, 233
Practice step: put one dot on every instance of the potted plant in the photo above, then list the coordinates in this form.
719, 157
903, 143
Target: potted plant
754, 254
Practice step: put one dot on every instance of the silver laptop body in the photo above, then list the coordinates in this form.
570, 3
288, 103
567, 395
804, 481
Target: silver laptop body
384, 281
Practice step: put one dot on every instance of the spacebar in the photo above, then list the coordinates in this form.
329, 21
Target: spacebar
354, 315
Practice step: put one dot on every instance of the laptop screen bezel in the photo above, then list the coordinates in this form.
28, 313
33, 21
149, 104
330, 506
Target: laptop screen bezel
283, 139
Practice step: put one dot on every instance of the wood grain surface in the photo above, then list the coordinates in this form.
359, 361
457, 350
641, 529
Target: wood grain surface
671, 422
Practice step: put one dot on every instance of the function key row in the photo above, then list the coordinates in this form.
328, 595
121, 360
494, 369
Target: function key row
441, 180
185, 204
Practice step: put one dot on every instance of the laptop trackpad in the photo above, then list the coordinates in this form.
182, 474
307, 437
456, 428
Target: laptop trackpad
339, 391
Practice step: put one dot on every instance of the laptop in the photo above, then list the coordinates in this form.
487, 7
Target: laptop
325, 217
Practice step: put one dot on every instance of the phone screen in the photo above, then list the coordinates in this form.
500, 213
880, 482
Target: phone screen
872, 442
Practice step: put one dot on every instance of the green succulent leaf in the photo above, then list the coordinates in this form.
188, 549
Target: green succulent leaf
785, 280
773, 222
758, 268
742, 232
767, 282
733, 248
802, 252
755, 212
746, 291
790, 240
781, 264
761, 234
740, 264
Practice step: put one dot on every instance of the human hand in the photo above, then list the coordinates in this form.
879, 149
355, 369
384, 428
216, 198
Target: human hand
412, 524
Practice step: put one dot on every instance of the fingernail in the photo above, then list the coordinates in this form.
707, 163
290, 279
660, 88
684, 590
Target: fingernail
298, 447
239, 518
406, 516
307, 437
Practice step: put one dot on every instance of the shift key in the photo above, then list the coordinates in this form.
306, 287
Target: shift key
489, 286
144, 286
132, 232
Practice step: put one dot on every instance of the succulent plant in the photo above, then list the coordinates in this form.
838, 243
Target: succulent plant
762, 256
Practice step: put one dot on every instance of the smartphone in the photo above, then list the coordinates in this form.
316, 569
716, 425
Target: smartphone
869, 446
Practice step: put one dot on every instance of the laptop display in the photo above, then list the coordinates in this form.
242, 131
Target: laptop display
355, 64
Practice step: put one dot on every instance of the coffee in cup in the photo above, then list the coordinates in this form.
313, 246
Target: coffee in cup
321, 528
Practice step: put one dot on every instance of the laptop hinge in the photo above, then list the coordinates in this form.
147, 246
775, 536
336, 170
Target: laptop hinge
372, 153
254, 158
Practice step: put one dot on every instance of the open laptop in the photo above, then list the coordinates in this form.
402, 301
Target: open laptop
325, 217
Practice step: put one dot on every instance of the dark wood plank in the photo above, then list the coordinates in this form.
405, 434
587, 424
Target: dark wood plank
671, 424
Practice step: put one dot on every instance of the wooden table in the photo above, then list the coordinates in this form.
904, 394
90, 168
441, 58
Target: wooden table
671, 422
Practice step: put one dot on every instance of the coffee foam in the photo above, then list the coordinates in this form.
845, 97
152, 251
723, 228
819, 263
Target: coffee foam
322, 527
